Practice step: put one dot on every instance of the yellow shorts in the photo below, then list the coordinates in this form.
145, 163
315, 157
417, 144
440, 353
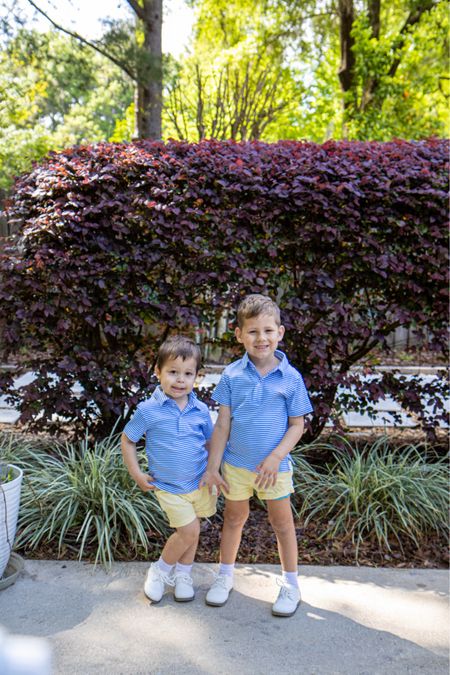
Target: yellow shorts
242, 484
185, 508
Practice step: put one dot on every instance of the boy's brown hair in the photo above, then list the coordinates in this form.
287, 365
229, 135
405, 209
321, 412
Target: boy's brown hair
256, 304
178, 346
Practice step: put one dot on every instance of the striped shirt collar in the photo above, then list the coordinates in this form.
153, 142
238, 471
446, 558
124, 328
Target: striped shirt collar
282, 366
162, 398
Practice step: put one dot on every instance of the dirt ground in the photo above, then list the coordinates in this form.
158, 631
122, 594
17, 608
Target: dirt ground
259, 546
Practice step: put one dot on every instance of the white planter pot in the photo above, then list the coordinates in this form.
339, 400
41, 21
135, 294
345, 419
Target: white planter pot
9, 510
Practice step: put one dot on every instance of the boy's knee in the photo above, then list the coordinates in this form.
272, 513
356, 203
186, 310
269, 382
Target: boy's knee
234, 518
281, 525
190, 533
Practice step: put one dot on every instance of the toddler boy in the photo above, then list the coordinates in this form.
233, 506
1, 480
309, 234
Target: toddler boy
177, 427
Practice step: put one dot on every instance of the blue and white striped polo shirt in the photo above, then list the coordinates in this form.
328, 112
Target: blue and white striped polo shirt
260, 408
174, 440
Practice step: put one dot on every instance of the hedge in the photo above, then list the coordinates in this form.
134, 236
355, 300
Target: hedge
119, 244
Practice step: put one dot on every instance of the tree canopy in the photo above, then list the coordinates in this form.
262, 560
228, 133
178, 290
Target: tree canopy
254, 69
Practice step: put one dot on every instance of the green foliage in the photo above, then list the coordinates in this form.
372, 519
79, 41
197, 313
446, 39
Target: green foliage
374, 491
301, 40
409, 103
6, 474
124, 128
54, 94
81, 495
265, 70
238, 81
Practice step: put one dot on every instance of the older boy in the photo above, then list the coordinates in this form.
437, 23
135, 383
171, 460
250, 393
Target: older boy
177, 427
262, 403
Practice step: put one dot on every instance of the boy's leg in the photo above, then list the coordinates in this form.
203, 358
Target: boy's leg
282, 521
235, 516
234, 519
184, 590
181, 545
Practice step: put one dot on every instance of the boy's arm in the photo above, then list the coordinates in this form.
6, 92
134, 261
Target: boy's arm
268, 469
129, 455
218, 441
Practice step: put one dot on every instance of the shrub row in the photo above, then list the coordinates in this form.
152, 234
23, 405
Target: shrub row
119, 244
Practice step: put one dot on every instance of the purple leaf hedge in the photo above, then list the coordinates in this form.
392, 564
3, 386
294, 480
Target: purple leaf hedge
119, 244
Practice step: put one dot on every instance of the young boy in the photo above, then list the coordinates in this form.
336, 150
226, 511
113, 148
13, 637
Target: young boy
177, 427
262, 403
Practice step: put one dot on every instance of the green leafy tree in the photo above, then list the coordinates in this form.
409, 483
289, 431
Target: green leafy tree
55, 93
393, 59
237, 81
345, 68
137, 52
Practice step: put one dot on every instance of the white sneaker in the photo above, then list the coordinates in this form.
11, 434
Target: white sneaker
184, 591
219, 591
288, 600
155, 583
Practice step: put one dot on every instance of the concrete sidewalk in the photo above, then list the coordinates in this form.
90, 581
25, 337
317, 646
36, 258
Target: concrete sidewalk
352, 621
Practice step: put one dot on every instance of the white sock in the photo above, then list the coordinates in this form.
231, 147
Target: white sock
164, 567
291, 578
227, 570
183, 569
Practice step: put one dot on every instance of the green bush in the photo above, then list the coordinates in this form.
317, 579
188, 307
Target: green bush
81, 495
374, 491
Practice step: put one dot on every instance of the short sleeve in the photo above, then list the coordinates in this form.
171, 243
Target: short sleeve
298, 403
222, 392
207, 425
136, 427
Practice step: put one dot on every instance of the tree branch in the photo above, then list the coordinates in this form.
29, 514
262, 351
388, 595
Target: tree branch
413, 18
137, 9
83, 40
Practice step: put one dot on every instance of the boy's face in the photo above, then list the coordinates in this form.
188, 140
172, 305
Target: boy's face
177, 377
260, 336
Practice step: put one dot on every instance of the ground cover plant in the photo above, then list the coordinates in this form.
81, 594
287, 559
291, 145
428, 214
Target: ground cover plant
80, 497
371, 504
119, 244
374, 491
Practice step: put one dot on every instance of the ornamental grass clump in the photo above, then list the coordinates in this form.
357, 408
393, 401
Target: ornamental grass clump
81, 495
14, 448
375, 492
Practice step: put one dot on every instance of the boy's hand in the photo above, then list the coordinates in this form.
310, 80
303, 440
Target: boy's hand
213, 479
268, 472
144, 481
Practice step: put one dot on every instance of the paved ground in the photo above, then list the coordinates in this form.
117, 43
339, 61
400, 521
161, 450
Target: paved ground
352, 621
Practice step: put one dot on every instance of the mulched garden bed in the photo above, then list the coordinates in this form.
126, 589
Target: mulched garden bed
259, 546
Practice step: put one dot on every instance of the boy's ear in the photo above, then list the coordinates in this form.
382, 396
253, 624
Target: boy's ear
281, 331
157, 372
238, 334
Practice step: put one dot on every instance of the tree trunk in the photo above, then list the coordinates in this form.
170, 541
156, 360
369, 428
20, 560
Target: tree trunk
371, 85
148, 97
373, 12
347, 66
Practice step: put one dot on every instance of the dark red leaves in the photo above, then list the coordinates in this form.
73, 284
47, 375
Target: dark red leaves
122, 242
